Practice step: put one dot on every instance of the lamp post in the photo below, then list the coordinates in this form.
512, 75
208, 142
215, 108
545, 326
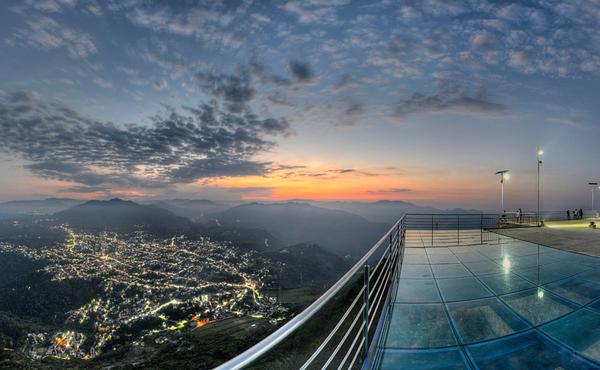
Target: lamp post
593, 186
539, 153
504, 175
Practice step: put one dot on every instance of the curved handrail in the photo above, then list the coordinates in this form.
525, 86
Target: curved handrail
255, 352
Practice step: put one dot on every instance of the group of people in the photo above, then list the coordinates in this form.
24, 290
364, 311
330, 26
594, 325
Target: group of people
577, 214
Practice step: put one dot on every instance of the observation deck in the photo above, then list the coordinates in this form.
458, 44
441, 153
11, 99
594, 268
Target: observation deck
447, 292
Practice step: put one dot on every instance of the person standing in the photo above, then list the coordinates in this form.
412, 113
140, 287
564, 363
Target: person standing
568, 215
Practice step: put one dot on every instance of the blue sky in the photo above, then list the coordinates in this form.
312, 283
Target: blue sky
339, 99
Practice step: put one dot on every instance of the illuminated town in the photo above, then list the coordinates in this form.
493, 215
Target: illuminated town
165, 285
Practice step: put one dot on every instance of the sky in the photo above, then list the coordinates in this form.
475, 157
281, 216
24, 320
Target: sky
421, 101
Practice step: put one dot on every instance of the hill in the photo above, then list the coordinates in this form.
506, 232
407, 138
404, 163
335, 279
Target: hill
36, 207
337, 231
387, 211
194, 209
124, 216
308, 265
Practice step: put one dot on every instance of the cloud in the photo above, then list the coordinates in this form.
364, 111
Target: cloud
160, 84
314, 11
235, 89
449, 100
390, 191
264, 76
301, 71
353, 108
45, 33
280, 99
51, 6
102, 83
345, 81
177, 147
204, 23
351, 112
567, 121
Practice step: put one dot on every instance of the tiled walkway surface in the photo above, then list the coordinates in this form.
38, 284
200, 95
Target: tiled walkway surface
513, 305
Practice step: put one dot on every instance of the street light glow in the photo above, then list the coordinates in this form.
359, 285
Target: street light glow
540, 152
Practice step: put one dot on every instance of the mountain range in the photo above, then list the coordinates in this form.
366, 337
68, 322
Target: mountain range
122, 215
337, 231
344, 228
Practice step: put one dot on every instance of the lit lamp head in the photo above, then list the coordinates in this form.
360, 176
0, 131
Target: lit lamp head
540, 153
504, 175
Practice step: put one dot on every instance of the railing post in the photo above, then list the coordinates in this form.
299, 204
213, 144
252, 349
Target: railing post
432, 230
366, 311
458, 228
481, 227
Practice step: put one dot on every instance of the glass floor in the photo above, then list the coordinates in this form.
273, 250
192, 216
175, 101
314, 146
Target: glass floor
510, 305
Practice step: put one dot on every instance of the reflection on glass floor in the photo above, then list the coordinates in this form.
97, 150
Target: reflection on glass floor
507, 305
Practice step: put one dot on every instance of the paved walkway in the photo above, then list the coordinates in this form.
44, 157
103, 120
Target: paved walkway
569, 236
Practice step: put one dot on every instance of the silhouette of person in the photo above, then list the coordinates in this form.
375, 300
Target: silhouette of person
568, 214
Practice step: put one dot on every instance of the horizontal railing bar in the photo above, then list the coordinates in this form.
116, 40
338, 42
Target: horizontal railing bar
256, 351
343, 340
378, 300
378, 280
335, 329
360, 328
356, 354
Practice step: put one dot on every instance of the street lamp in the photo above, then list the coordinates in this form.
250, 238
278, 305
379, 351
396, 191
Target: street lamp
504, 175
539, 153
593, 185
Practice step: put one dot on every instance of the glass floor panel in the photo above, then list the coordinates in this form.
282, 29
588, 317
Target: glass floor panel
461, 289
415, 259
529, 351
417, 291
471, 257
504, 283
513, 305
579, 330
483, 267
442, 258
538, 305
450, 271
441, 359
484, 319
576, 290
419, 326
416, 272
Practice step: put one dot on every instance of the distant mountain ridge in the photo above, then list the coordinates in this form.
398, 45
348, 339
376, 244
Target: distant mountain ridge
122, 215
337, 231
387, 211
37, 207
195, 209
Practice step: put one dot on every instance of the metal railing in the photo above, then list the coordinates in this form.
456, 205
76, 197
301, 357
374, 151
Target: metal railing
435, 230
347, 344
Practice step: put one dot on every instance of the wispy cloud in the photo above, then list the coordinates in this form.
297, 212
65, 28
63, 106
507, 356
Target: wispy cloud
46, 33
390, 191
452, 100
